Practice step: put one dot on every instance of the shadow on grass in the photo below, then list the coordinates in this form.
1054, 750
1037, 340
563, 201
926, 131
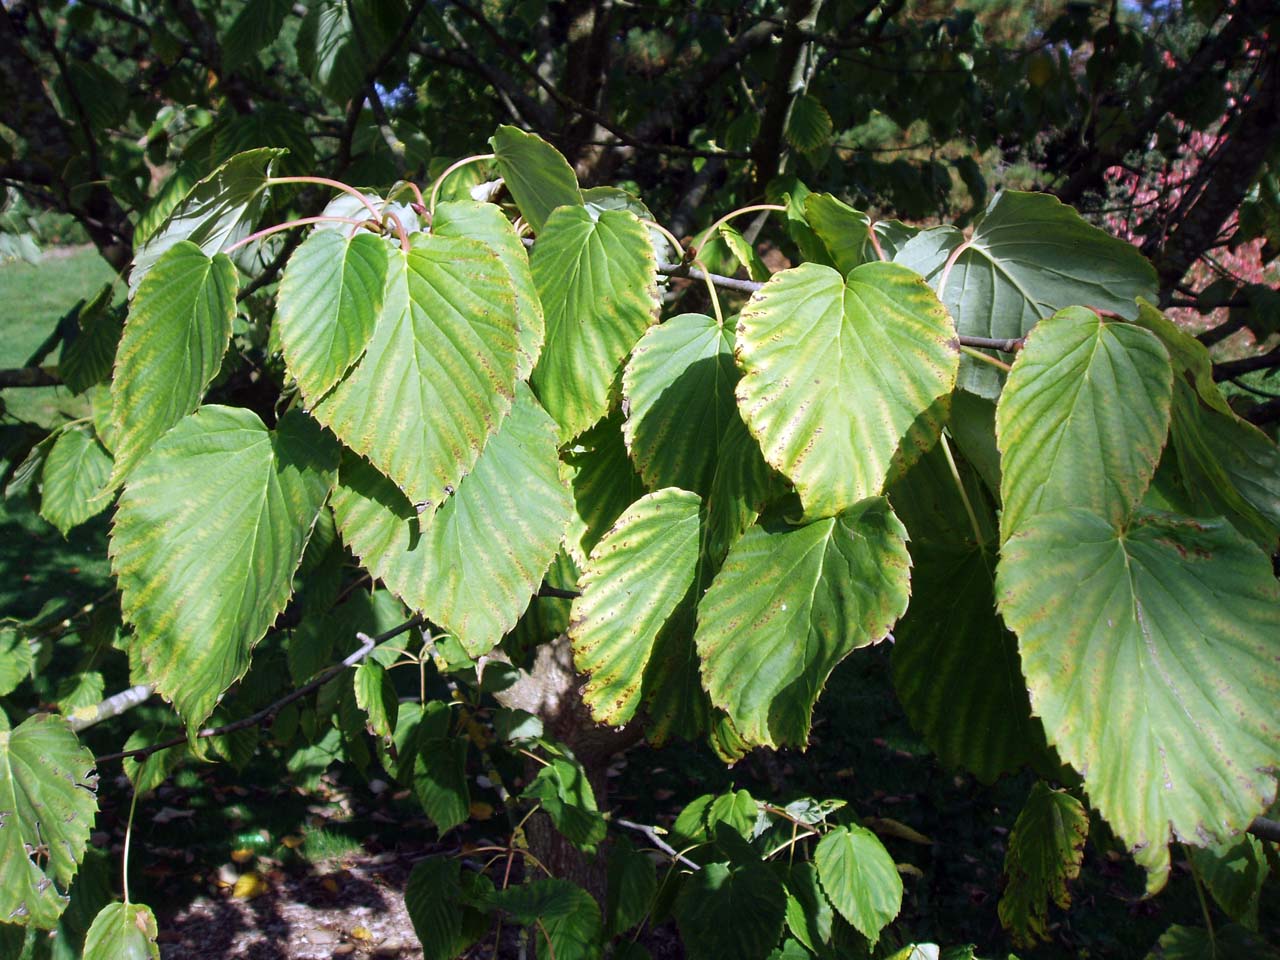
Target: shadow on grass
38, 565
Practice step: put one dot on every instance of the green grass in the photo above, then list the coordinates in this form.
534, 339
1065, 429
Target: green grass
36, 564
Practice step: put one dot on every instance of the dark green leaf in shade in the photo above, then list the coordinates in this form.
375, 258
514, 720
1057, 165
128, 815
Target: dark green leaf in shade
438, 376
560, 912
539, 178
843, 377
1196, 943
442, 912
860, 879
1154, 673
1045, 851
204, 568
47, 806
597, 280
1234, 872
562, 788
809, 124
1082, 419
123, 931
731, 911
440, 780
339, 42
809, 913
178, 329
632, 885
604, 484
328, 305
789, 604
87, 360
148, 773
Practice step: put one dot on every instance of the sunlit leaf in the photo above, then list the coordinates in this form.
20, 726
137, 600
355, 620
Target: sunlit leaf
76, 469
123, 931
859, 876
539, 178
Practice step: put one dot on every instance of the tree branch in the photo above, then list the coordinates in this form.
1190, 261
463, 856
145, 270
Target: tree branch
1230, 369
28, 377
786, 83
113, 706
268, 712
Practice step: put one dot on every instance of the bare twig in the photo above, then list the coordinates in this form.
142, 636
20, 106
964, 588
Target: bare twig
113, 706
652, 834
268, 712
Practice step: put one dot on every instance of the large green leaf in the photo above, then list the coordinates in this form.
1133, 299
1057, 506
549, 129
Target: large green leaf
443, 918
1029, 256
438, 375
726, 911
339, 41
632, 582
597, 281
859, 876
328, 306
122, 931
218, 211
564, 792
485, 222
472, 564
789, 604
1150, 655
839, 374
683, 427
956, 668
177, 331
844, 230
47, 805
209, 532
560, 912
539, 178
76, 469
633, 882
1083, 418
1046, 848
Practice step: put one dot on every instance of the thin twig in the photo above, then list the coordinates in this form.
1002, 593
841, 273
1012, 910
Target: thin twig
112, 706
652, 834
268, 712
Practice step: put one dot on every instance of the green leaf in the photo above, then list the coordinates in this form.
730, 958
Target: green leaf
744, 252
122, 931
440, 782
473, 564
178, 329
329, 301
1045, 851
632, 582
539, 178
809, 913
438, 375
1149, 653
562, 788
376, 696
684, 430
859, 876
604, 484
76, 469
218, 211
597, 282
204, 568
789, 604
1196, 943
87, 360
443, 918
151, 771
563, 913
1029, 256
844, 230
838, 375
1082, 419
485, 222
339, 41
256, 26
47, 805
632, 885
16, 659
1234, 871
725, 911
809, 125
956, 668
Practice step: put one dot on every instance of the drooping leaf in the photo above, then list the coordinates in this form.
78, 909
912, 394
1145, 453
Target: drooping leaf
604, 484
328, 305
1234, 872
47, 805
562, 788
1030, 255
744, 252
472, 564
559, 911
1149, 654
339, 41
218, 211
76, 469
842, 229
1082, 419
149, 772
1196, 943
632, 582
597, 282
87, 360
675, 703
485, 222
731, 911
255, 27
438, 376
860, 878
789, 604
210, 529
177, 331
123, 931
1046, 848
376, 696
539, 178
443, 917
16, 659
809, 125
842, 376
809, 913
632, 885
440, 781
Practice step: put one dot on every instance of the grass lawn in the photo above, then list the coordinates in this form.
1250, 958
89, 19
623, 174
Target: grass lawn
36, 564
